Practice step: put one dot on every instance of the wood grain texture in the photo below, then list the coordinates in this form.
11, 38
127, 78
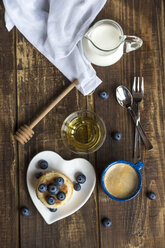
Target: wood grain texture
9, 234
38, 82
139, 222
28, 82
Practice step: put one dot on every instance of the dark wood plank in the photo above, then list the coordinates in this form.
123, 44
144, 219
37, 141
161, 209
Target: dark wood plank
139, 222
9, 234
38, 82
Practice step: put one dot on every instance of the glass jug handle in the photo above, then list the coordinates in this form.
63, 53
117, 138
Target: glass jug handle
131, 43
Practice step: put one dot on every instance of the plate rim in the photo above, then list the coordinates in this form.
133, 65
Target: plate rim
75, 209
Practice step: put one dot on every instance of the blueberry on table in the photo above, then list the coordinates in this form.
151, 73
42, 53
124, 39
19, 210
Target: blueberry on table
151, 195
104, 95
25, 211
59, 181
42, 188
38, 175
77, 186
53, 189
50, 200
61, 196
53, 210
81, 178
106, 222
116, 136
43, 164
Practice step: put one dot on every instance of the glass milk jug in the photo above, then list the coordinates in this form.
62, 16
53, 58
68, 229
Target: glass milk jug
105, 43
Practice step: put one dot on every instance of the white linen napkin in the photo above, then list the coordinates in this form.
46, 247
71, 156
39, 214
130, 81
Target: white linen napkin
56, 28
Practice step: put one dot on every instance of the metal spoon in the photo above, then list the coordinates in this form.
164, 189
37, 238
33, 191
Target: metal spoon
125, 99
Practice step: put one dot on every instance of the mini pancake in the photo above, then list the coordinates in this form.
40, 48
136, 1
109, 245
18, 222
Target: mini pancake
50, 178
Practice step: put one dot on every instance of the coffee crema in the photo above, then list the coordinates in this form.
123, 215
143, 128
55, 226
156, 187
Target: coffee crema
121, 181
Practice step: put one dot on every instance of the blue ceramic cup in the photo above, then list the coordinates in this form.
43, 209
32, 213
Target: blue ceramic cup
121, 180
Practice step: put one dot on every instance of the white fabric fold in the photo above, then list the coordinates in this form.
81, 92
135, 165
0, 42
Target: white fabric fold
56, 29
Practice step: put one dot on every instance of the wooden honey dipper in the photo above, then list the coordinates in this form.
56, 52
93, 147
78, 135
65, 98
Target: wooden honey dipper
25, 132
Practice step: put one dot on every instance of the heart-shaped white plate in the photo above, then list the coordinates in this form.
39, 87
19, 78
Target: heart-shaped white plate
70, 168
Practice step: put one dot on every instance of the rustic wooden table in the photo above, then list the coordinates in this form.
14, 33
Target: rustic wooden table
28, 81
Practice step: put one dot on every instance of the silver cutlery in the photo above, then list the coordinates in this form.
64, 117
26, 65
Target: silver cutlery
125, 99
137, 93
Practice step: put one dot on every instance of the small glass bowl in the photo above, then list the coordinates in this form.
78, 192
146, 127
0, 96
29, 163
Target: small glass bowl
83, 132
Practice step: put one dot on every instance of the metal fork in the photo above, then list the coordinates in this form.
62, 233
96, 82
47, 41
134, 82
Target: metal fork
138, 93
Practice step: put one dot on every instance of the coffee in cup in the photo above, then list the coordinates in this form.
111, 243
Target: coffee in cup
122, 180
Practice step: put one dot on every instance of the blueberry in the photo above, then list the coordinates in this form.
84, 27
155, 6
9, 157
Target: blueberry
25, 211
104, 95
59, 181
61, 196
53, 189
77, 186
38, 174
81, 178
43, 164
42, 188
151, 195
116, 136
52, 210
106, 222
50, 200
